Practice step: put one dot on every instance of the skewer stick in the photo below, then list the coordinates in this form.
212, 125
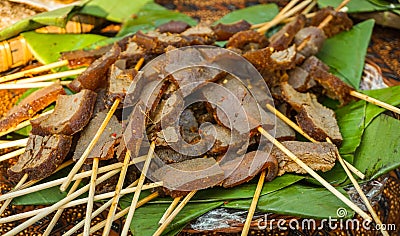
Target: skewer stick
309, 7
290, 19
57, 205
361, 193
28, 189
125, 211
59, 212
24, 124
47, 77
375, 101
12, 154
326, 21
114, 204
284, 10
300, 131
76, 202
14, 143
96, 137
136, 196
253, 205
95, 213
278, 19
314, 174
92, 189
33, 71
31, 85
171, 217
18, 186
169, 210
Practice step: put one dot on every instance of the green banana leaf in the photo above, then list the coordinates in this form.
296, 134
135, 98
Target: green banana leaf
47, 47
354, 6
150, 16
297, 200
117, 11
58, 17
145, 220
380, 147
345, 52
254, 14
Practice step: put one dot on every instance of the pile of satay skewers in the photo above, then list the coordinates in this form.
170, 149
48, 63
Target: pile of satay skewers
86, 126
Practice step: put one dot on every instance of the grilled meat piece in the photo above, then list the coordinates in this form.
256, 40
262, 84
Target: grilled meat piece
339, 23
318, 156
316, 120
314, 37
225, 31
109, 139
180, 178
222, 136
174, 27
133, 53
169, 155
188, 126
30, 105
135, 129
156, 42
284, 37
41, 157
334, 87
119, 81
71, 114
199, 35
267, 59
242, 170
95, 76
300, 80
84, 57
243, 38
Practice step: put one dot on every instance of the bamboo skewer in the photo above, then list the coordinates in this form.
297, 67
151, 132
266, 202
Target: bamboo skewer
47, 77
28, 189
14, 143
170, 209
57, 205
253, 205
138, 190
361, 193
171, 217
300, 131
76, 202
33, 71
375, 101
125, 211
280, 18
60, 211
91, 145
31, 85
18, 186
314, 174
114, 204
92, 189
284, 10
95, 213
24, 123
12, 154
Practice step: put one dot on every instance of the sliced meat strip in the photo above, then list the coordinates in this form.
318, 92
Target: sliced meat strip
188, 126
84, 57
119, 81
244, 169
71, 114
156, 42
300, 80
318, 156
267, 59
243, 38
339, 23
315, 39
175, 27
333, 86
31, 105
95, 76
294, 98
41, 157
284, 37
109, 139
199, 35
169, 155
225, 31
180, 178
